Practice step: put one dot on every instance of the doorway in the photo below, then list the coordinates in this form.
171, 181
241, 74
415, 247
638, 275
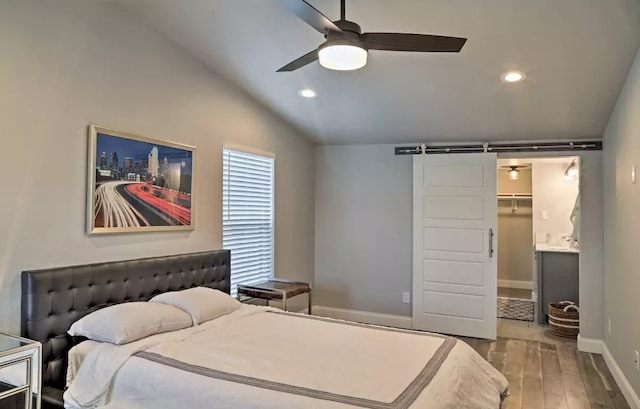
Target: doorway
538, 230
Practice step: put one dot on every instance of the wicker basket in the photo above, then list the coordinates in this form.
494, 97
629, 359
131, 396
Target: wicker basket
564, 319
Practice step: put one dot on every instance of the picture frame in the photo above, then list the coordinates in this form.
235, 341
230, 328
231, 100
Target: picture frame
138, 184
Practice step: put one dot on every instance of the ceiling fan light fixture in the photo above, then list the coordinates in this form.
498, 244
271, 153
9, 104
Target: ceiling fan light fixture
346, 46
342, 56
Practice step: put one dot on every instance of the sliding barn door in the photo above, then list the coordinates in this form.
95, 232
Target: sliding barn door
455, 219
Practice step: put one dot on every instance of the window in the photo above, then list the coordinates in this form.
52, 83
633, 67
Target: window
247, 215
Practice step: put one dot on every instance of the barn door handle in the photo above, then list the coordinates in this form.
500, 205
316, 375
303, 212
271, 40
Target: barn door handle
490, 242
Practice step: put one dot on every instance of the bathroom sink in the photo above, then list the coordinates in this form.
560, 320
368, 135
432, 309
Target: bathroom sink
556, 247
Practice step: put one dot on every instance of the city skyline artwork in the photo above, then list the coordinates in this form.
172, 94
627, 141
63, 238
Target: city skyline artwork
138, 183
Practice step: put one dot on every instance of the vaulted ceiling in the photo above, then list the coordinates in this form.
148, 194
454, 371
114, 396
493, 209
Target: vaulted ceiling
576, 54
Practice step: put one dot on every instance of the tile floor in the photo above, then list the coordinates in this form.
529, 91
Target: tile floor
529, 331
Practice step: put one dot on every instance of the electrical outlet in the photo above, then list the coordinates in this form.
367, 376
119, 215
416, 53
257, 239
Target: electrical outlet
406, 297
609, 326
636, 361
544, 215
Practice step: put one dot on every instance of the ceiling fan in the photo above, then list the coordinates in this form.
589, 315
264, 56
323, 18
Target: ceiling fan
346, 47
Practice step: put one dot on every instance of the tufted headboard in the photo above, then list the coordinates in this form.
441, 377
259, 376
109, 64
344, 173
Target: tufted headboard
54, 298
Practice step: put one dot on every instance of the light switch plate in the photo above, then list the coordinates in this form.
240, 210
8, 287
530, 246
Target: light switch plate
406, 297
633, 174
544, 215
636, 361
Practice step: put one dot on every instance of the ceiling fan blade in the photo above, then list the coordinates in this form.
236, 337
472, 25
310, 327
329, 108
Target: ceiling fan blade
310, 15
308, 58
412, 42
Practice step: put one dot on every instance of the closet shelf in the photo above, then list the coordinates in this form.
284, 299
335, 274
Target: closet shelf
520, 196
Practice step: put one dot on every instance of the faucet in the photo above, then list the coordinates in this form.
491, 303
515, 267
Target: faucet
573, 241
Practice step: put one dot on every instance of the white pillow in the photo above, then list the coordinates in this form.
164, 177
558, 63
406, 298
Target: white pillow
127, 322
202, 303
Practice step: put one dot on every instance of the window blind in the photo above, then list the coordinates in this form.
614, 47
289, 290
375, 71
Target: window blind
247, 214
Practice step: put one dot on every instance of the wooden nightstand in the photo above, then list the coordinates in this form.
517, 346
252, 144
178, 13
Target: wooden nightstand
276, 289
20, 372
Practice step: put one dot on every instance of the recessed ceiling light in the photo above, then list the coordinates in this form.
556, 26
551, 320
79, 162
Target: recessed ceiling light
513, 76
307, 93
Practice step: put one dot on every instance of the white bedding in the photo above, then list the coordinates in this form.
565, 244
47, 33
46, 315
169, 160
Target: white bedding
256, 358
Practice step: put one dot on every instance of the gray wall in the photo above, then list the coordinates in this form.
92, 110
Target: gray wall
591, 245
363, 228
515, 237
69, 63
622, 227
363, 231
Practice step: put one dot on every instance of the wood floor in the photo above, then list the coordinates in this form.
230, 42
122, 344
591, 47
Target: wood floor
551, 376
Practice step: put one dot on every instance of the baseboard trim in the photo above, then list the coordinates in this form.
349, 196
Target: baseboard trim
366, 317
521, 285
630, 395
591, 345
597, 346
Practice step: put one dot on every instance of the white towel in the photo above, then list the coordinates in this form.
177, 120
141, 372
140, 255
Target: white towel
575, 219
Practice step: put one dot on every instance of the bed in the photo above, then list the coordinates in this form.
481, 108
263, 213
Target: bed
254, 357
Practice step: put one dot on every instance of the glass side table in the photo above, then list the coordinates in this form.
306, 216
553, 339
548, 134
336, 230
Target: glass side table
20, 372
276, 289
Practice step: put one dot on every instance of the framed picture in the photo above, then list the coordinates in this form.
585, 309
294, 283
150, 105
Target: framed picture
138, 184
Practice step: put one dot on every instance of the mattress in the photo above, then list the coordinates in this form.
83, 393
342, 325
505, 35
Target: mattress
259, 358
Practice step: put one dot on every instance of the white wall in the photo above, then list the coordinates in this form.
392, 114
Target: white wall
363, 228
555, 196
622, 227
70, 63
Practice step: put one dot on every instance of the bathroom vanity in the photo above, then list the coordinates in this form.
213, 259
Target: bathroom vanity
557, 274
